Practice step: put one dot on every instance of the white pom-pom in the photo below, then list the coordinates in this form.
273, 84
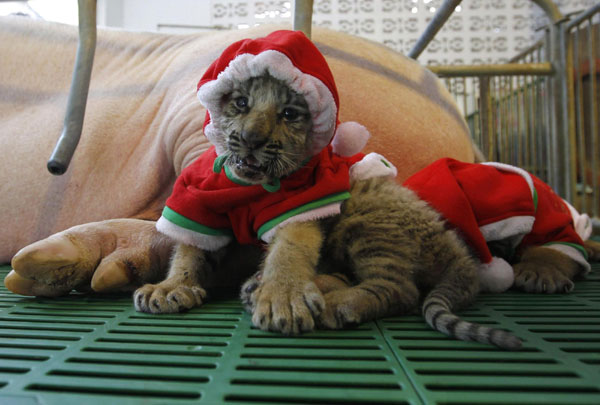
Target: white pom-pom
349, 139
372, 165
496, 276
582, 222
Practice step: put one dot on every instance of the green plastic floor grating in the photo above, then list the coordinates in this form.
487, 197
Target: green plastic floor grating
91, 349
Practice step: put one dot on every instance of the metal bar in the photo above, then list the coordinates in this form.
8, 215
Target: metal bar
503, 113
534, 122
543, 125
486, 117
531, 104
563, 153
506, 69
570, 123
527, 51
73, 123
549, 136
448, 7
587, 14
521, 131
436, 23
303, 16
576, 114
595, 166
513, 122
551, 10
464, 96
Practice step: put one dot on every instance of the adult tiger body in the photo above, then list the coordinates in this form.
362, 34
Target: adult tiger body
143, 125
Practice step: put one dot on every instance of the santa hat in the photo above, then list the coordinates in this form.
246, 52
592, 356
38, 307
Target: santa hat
291, 57
485, 203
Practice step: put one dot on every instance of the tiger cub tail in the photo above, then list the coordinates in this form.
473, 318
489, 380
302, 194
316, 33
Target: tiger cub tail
437, 311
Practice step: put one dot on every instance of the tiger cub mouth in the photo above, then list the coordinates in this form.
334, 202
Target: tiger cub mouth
249, 168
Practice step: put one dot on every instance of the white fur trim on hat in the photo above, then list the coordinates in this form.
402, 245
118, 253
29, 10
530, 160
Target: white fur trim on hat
182, 235
512, 228
372, 165
319, 98
349, 139
496, 276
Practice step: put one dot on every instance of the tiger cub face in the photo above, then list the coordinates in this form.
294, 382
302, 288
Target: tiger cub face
265, 130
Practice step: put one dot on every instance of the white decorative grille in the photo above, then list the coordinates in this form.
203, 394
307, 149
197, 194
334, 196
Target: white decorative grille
479, 31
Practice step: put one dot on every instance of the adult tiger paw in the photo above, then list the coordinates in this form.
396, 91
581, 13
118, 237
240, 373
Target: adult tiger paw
286, 306
112, 255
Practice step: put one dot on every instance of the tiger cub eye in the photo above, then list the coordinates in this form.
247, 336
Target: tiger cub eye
241, 102
290, 114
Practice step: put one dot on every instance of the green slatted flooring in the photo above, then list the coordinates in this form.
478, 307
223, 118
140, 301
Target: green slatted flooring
92, 349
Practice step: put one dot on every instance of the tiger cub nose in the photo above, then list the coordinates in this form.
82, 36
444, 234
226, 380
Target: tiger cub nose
253, 139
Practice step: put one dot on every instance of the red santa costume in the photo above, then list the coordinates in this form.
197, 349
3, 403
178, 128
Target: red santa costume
209, 206
491, 202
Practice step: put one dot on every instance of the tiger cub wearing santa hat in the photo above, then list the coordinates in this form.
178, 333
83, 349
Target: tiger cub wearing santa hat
283, 173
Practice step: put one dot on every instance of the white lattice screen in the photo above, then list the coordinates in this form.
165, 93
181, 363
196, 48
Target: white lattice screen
480, 31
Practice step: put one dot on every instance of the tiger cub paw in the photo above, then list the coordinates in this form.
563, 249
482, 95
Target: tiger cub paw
533, 279
324, 282
286, 307
593, 250
167, 297
246, 293
342, 310
545, 270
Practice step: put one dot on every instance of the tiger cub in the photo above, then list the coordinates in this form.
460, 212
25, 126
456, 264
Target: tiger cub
393, 248
389, 253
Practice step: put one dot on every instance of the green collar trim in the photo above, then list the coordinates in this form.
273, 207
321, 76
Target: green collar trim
272, 187
191, 225
330, 199
220, 165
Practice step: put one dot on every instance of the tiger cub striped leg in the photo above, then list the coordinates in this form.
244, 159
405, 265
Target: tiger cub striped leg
287, 300
371, 299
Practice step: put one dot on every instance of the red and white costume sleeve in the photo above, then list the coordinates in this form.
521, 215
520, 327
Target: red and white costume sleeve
491, 202
209, 207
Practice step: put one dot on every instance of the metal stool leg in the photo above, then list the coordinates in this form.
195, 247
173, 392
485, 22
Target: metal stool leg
65, 147
303, 16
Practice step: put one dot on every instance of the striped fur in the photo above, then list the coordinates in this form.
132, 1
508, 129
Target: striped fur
398, 250
395, 256
393, 246
438, 314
